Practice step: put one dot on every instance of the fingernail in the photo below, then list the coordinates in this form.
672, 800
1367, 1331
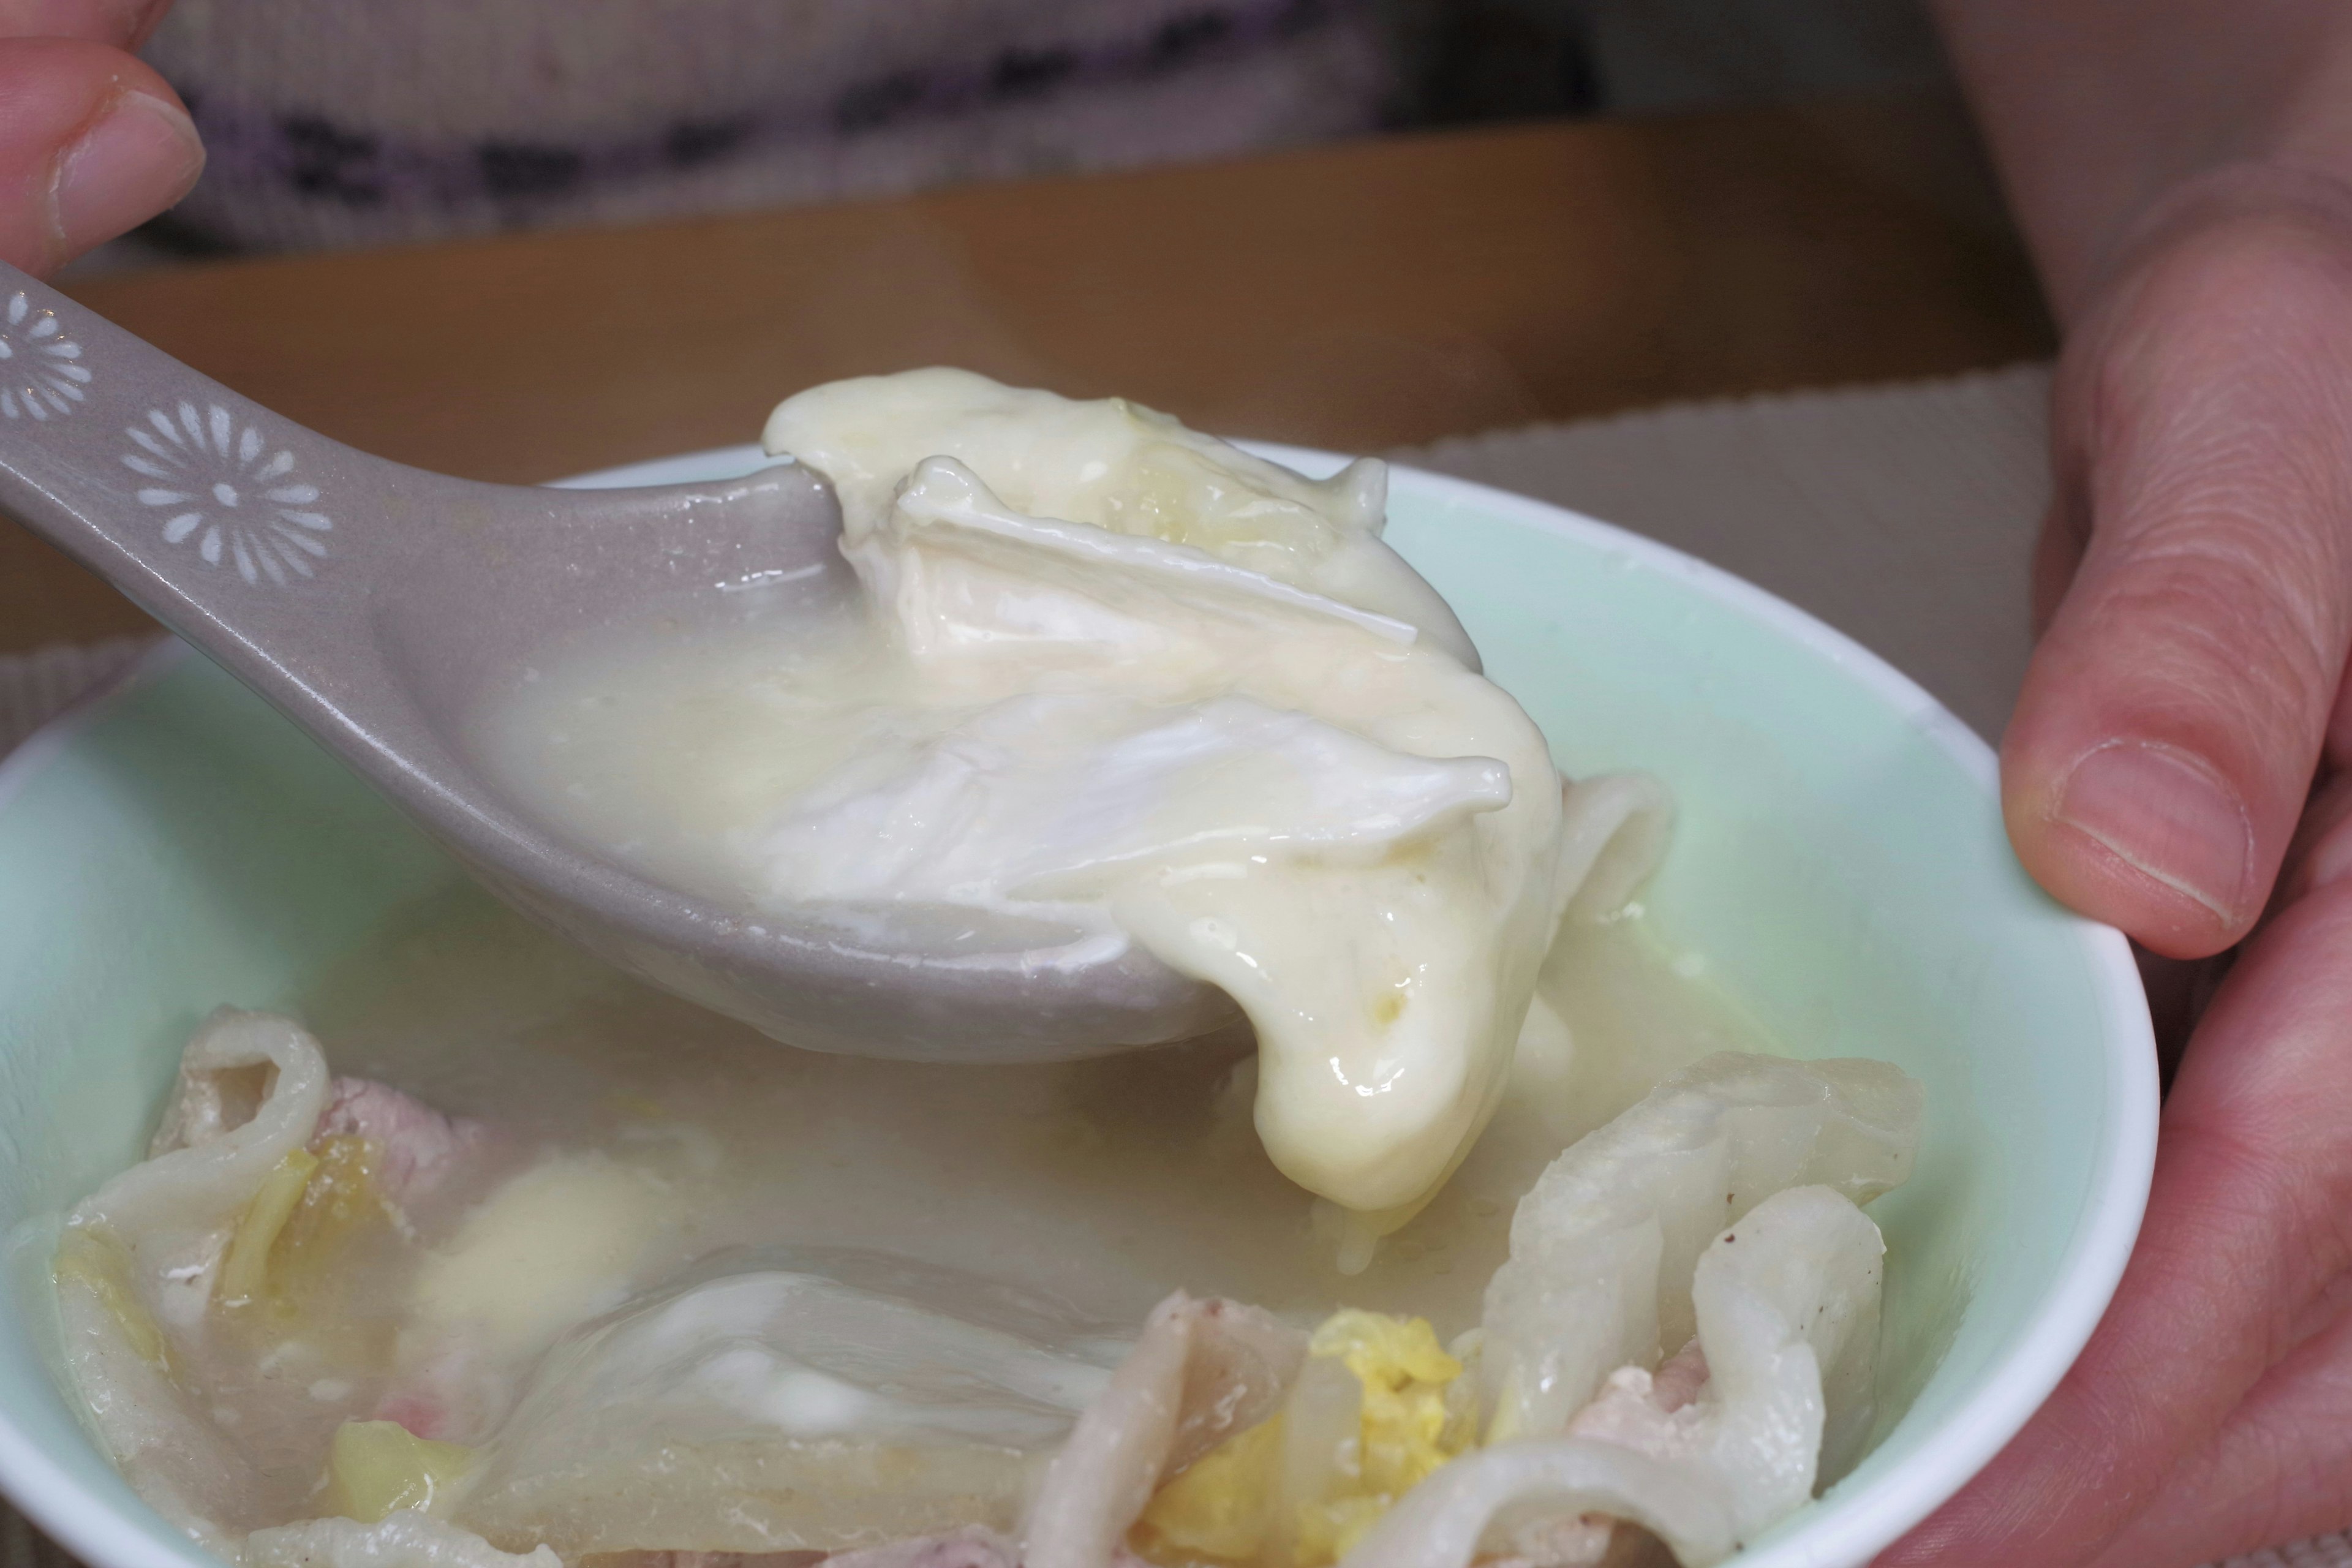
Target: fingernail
139, 158
2166, 814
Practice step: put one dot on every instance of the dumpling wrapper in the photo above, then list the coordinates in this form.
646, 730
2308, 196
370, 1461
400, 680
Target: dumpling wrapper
1603, 1243
840, 1401
139, 1257
1117, 466
1786, 1303
1052, 796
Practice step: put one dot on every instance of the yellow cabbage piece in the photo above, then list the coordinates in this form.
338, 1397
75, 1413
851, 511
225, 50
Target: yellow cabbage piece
1225, 1507
340, 1199
1405, 1429
375, 1468
1216, 1509
248, 1263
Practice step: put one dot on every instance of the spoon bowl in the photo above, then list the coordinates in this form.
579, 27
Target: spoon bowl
379, 606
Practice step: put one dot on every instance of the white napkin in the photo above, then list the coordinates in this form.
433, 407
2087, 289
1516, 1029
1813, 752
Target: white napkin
1903, 515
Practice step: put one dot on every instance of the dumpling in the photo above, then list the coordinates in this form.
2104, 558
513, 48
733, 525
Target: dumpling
826, 1401
1787, 1308
225, 1265
1109, 685
142, 1260
1718, 1215
1161, 682
251, 1088
1604, 1245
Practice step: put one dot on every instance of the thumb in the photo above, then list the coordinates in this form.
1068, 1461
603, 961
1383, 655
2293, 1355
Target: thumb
91, 143
2166, 737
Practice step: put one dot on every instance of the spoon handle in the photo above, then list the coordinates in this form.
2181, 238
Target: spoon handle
198, 503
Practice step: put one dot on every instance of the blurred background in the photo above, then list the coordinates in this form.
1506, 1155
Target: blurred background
520, 240
363, 123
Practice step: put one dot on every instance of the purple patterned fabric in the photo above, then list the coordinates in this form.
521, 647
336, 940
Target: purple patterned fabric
1134, 81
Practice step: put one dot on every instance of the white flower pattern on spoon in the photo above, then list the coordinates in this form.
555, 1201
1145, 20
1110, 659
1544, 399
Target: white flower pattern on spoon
39, 375
237, 504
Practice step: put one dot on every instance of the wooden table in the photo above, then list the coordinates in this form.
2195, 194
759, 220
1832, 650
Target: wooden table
1360, 296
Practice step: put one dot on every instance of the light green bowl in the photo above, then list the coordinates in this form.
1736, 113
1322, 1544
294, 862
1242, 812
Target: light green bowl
1840, 863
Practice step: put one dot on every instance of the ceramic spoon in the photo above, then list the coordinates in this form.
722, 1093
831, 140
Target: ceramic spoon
379, 606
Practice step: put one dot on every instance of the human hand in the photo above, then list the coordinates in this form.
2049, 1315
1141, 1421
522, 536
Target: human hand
92, 141
2195, 574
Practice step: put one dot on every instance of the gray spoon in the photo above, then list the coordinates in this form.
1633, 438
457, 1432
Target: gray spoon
378, 605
